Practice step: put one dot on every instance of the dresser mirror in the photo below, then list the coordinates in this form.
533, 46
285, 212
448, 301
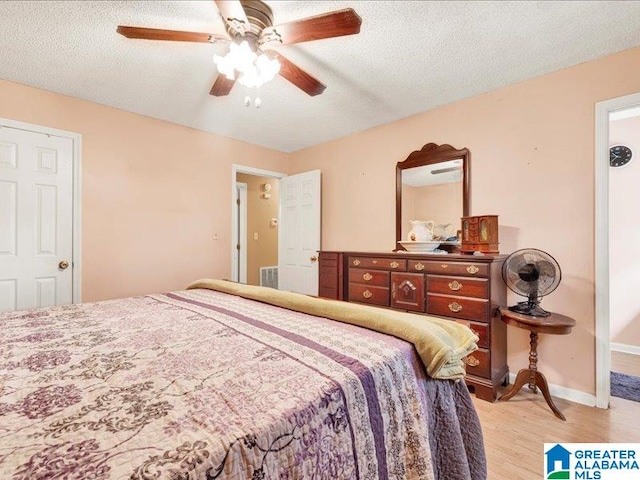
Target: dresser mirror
432, 184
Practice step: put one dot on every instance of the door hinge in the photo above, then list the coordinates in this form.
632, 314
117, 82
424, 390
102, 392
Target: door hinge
237, 201
237, 246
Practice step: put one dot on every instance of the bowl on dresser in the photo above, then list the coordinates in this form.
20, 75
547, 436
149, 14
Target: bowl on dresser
420, 246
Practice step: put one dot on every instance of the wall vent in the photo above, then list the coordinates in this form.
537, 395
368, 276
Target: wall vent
269, 277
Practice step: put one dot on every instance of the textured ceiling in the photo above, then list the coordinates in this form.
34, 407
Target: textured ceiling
409, 57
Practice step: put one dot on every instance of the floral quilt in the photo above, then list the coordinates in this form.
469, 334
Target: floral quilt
200, 384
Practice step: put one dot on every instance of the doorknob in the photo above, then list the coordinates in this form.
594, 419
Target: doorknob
63, 265
313, 259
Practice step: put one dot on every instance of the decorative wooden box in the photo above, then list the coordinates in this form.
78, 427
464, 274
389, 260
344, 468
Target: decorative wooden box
480, 234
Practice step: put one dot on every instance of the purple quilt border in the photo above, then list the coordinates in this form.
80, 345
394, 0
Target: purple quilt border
358, 368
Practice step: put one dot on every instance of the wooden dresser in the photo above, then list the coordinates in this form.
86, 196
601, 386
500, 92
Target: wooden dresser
463, 288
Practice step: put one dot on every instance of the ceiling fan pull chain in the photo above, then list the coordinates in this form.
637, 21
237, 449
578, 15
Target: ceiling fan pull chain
247, 97
257, 102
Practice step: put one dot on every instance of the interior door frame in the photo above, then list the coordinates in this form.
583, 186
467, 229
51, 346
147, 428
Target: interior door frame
603, 334
241, 192
76, 138
235, 169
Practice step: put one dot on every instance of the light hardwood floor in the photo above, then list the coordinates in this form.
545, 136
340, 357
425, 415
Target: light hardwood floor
515, 431
625, 363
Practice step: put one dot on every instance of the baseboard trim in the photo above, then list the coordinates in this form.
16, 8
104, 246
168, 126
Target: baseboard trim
565, 393
621, 347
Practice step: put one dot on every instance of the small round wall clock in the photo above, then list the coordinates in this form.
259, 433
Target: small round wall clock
619, 155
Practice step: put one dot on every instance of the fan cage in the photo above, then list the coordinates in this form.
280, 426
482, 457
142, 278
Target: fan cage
524, 268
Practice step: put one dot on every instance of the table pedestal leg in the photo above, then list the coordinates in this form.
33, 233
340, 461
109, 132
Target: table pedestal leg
541, 382
533, 361
534, 378
521, 379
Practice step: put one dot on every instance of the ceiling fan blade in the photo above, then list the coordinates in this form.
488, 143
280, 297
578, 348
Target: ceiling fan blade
233, 14
327, 25
172, 35
297, 76
222, 86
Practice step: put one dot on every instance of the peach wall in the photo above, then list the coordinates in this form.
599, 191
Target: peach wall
532, 163
624, 236
262, 252
153, 193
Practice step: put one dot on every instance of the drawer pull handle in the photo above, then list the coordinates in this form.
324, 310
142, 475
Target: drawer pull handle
374, 261
472, 361
356, 262
455, 285
444, 265
394, 264
367, 276
367, 294
455, 307
393, 290
419, 266
472, 269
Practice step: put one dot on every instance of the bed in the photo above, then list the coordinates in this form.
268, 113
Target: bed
222, 381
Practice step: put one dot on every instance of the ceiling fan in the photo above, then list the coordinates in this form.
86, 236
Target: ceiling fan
251, 22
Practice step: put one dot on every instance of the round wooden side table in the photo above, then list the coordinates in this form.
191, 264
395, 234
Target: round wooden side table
555, 324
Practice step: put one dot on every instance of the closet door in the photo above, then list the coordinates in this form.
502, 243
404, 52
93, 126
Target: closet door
36, 220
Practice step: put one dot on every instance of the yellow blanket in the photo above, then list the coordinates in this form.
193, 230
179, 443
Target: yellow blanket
441, 344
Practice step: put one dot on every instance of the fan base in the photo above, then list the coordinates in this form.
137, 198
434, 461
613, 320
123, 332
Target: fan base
529, 308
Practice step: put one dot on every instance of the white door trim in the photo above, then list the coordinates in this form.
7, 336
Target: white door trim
603, 340
242, 227
76, 138
235, 169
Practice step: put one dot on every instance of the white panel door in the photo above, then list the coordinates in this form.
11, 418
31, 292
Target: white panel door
299, 233
36, 220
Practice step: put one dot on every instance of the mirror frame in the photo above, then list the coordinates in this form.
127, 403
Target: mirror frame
427, 155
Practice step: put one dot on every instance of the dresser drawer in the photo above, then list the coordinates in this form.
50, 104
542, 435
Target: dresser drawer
463, 286
328, 279
478, 363
327, 292
328, 262
369, 294
458, 307
407, 291
466, 269
480, 329
369, 277
395, 264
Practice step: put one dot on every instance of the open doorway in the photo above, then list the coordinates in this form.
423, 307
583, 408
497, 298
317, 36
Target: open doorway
255, 220
603, 239
260, 242
624, 263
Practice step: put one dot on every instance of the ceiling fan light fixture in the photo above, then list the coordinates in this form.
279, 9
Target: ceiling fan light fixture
249, 25
253, 69
225, 66
262, 71
268, 67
